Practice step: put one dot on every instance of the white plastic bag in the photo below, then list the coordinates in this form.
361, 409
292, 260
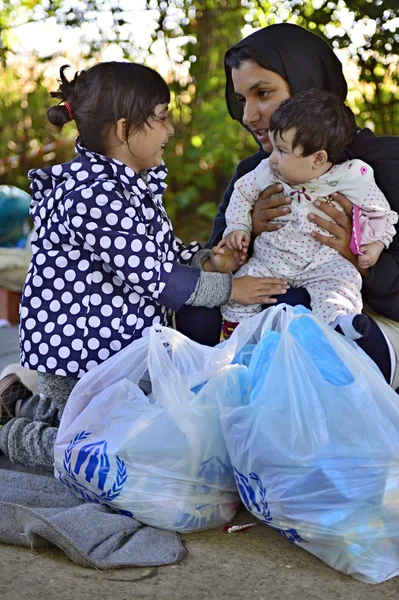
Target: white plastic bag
315, 446
161, 457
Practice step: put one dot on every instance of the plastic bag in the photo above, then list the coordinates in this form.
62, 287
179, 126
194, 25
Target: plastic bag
315, 446
160, 457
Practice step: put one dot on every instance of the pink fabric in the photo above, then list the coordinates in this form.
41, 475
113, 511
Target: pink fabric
366, 228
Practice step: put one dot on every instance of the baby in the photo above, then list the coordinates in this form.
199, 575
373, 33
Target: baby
309, 132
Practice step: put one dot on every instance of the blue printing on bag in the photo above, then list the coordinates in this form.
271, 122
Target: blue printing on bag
92, 461
95, 457
261, 508
214, 470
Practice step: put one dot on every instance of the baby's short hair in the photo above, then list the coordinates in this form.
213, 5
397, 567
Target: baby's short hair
320, 120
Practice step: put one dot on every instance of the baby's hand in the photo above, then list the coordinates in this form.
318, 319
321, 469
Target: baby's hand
238, 240
371, 253
224, 260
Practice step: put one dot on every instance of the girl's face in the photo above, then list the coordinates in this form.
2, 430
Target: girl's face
261, 91
144, 148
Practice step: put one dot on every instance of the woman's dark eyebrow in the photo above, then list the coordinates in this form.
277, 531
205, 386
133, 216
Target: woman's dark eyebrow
253, 87
258, 84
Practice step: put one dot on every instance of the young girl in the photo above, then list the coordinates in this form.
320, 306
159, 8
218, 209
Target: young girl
106, 264
308, 133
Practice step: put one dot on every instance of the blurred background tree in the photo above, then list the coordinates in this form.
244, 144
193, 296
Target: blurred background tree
187, 40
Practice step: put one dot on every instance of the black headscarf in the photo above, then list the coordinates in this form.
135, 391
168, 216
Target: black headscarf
300, 57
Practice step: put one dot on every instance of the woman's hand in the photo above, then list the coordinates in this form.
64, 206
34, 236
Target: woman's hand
269, 207
340, 228
257, 290
225, 260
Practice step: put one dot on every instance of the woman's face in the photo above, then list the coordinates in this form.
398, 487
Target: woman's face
261, 91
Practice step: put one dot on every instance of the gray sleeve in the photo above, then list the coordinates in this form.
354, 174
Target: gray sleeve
199, 258
212, 289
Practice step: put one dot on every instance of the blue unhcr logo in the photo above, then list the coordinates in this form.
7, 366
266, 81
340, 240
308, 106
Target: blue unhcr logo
93, 464
215, 472
248, 496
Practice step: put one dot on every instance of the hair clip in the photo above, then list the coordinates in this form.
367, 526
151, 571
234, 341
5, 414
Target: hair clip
69, 110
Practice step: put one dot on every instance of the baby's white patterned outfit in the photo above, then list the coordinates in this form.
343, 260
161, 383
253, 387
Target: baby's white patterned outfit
291, 253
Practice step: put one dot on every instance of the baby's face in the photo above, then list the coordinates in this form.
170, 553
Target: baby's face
287, 163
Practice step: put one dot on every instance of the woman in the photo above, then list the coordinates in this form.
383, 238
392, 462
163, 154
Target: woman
264, 69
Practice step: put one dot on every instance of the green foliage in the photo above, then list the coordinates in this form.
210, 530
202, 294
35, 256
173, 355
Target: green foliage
207, 144
375, 53
376, 56
25, 140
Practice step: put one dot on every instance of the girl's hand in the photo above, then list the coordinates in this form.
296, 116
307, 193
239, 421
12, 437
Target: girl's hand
224, 260
268, 207
257, 290
340, 228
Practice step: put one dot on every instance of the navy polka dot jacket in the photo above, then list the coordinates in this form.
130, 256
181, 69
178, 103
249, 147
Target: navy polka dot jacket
105, 267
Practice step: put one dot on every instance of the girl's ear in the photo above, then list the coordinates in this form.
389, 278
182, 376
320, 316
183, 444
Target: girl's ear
120, 130
320, 158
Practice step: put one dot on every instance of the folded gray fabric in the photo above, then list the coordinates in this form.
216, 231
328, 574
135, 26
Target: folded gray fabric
37, 510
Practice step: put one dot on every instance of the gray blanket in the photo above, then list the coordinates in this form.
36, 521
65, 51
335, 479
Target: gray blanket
37, 510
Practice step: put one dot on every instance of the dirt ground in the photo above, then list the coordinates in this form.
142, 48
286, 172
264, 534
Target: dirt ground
257, 564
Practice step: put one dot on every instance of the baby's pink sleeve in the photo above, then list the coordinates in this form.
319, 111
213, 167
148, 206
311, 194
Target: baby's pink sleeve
372, 220
367, 227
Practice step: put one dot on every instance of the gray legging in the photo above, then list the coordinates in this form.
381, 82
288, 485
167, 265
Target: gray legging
29, 439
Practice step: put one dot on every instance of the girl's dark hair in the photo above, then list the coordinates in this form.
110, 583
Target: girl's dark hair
320, 120
105, 93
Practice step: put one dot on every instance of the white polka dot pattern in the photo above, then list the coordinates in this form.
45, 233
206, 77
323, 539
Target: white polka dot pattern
105, 267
